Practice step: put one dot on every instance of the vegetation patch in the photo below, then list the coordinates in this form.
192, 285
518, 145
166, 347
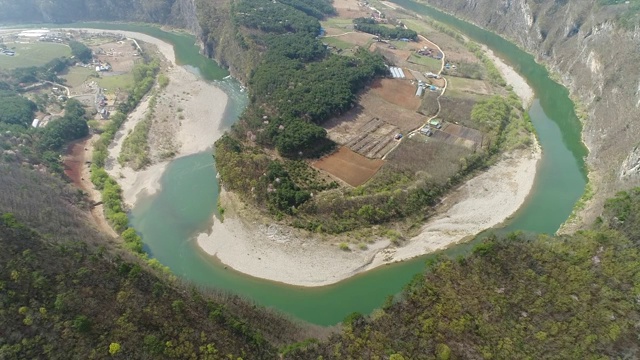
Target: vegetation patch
144, 75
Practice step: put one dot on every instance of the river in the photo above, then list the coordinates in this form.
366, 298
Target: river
169, 220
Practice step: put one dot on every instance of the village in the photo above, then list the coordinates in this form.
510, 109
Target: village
419, 117
99, 84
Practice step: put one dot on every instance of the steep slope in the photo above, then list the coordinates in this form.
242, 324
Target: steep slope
568, 297
67, 292
594, 49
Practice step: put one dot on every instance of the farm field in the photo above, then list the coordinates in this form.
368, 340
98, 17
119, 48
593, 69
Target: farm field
349, 9
348, 166
337, 43
472, 86
77, 75
431, 64
398, 92
459, 135
436, 160
114, 82
33, 54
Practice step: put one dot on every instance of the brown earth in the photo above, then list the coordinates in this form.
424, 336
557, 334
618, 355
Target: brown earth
120, 55
348, 166
349, 9
398, 92
455, 51
406, 120
459, 135
78, 170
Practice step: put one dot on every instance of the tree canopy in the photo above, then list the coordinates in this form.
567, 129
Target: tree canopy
80, 51
370, 26
15, 109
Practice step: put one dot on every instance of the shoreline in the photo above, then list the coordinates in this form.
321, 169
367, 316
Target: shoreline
282, 254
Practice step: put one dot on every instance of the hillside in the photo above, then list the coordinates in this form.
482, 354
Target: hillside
68, 292
519, 297
592, 45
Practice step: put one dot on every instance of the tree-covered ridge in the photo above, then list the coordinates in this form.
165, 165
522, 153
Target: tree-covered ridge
515, 297
65, 300
370, 26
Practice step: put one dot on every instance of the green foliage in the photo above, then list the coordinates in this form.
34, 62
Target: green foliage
283, 195
68, 299
114, 348
623, 213
281, 17
504, 120
493, 73
80, 51
15, 109
82, 324
370, 26
135, 148
71, 126
538, 298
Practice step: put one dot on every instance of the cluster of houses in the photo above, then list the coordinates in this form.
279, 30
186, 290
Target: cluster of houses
427, 130
422, 86
432, 53
43, 35
101, 105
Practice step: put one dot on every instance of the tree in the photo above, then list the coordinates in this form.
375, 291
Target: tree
80, 51
15, 109
114, 348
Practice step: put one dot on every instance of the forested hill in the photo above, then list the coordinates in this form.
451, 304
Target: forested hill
67, 293
174, 12
520, 297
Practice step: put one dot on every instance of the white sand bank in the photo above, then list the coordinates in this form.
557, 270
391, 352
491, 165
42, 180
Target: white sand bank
519, 84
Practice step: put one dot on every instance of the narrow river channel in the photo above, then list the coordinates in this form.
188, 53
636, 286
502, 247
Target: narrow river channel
169, 220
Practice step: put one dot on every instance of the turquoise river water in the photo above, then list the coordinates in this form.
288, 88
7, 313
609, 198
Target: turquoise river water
170, 219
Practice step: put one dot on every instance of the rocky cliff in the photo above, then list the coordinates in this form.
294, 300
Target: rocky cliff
596, 55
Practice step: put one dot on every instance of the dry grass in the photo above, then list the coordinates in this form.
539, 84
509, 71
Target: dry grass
398, 92
428, 158
348, 166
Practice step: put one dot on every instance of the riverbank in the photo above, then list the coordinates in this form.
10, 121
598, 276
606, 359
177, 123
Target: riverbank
195, 123
282, 254
517, 82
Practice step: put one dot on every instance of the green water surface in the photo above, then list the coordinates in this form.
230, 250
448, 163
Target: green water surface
170, 219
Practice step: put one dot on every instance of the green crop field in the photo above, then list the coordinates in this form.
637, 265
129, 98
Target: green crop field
76, 75
432, 64
33, 54
337, 23
336, 42
111, 83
